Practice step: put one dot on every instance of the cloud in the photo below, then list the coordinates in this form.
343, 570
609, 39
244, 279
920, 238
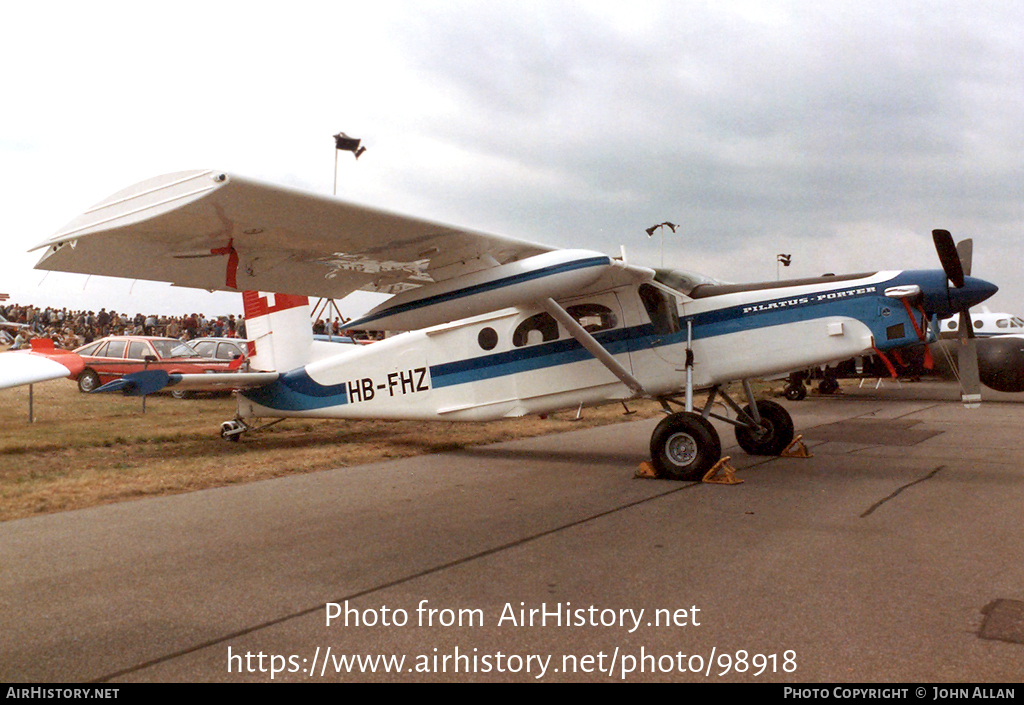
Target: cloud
842, 131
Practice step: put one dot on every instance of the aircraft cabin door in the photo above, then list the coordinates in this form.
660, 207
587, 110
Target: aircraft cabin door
661, 349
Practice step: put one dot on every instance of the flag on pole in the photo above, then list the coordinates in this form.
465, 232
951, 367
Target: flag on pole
666, 224
344, 143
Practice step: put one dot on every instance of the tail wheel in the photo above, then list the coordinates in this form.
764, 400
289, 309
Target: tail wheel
775, 433
684, 446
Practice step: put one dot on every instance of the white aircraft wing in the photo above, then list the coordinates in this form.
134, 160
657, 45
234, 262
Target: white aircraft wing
211, 230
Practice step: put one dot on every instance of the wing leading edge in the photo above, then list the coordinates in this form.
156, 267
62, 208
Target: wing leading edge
211, 230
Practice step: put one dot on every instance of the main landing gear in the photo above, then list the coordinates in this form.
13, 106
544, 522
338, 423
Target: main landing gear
684, 446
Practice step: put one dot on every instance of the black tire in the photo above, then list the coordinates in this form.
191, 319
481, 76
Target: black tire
776, 433
796, 392
88, 381
684, 446
181, 394
829, 385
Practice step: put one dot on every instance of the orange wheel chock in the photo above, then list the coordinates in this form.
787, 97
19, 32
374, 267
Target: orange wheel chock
796, 449
729, 473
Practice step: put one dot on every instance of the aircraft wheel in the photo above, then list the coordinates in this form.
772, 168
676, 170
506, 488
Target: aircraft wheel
88, 381
684, 446
776, 430
828, 386
796, 392
181, 394
232, 430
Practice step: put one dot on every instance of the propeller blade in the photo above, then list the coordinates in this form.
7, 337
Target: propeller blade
970, 381
967, 362
966, 326
965, 249
948, 257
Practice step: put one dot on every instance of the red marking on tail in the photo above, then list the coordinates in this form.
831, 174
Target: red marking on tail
256, 305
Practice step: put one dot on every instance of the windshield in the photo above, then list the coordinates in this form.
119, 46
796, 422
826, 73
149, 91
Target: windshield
173, 348
681, 280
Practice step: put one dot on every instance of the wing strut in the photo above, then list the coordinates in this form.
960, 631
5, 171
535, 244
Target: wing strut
592, 346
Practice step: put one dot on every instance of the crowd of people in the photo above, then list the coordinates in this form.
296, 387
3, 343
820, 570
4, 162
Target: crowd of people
72, 329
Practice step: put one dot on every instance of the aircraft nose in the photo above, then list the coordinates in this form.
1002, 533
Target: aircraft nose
972, 293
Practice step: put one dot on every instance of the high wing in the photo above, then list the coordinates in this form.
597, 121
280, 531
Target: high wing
211, 230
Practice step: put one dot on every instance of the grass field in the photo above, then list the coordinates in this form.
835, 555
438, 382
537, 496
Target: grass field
83, 450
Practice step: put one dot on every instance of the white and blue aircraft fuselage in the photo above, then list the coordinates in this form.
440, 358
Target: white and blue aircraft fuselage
495, 327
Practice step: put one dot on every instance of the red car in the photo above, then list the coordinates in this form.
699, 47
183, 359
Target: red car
119, 355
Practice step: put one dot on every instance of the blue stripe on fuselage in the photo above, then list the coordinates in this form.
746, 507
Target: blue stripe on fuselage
859, 302
484, 287
297, 391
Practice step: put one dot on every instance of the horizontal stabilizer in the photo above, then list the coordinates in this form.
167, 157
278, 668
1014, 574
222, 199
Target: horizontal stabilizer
137, 384
150, 381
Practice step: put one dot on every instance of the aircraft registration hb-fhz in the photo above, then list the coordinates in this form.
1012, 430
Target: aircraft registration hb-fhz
492, 327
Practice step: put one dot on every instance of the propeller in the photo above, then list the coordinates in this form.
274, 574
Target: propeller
956, 263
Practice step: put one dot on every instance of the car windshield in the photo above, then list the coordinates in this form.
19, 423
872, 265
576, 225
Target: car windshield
173, 348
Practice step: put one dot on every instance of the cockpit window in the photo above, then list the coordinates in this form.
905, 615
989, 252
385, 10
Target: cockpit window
661, 308
1016, 322
681, 280
535, 329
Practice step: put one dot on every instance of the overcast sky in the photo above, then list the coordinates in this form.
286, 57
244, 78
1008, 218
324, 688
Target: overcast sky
841, 132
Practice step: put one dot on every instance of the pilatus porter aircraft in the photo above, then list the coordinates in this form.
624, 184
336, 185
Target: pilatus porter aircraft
493, 327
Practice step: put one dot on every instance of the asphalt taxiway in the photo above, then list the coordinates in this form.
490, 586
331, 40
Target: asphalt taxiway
893, 554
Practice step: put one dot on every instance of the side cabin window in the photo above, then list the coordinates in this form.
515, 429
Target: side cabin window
536, 329
593, 317
661, 308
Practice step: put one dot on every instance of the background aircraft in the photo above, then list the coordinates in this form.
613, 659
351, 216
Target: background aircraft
41, 363
496, 327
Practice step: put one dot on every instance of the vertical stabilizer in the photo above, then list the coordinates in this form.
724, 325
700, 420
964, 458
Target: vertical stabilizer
278, 325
